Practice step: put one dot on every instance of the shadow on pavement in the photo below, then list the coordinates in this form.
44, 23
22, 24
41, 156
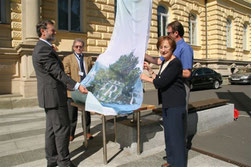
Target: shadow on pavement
240, 100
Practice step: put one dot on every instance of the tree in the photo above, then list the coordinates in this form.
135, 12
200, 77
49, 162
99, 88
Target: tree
116, 83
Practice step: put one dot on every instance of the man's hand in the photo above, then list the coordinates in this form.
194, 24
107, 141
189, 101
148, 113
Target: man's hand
147, 66
154, 60
82, 89
186, 73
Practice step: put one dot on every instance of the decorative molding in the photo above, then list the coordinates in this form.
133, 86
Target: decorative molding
16, 16
16, 7
16, 26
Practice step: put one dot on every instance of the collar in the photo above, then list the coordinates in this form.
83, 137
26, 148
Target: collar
45, 41
180, 41
77, 55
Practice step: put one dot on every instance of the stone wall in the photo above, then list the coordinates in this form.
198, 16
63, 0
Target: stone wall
16, 22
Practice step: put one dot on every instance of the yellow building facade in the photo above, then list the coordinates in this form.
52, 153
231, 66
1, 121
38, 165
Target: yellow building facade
219, 31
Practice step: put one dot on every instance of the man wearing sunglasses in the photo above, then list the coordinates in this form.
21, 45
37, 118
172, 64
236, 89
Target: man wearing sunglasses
77, 65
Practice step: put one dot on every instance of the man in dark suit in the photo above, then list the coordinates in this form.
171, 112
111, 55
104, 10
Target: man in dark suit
52, 84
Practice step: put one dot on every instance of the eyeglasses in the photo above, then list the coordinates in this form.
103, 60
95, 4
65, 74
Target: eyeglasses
168, 33
78, 46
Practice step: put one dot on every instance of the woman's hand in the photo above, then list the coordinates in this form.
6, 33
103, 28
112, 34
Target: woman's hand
143, 77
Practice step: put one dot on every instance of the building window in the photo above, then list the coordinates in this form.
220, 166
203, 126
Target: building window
193, 29
115, 9
245, 37
69, 15
2, 11
228, 32
162, 20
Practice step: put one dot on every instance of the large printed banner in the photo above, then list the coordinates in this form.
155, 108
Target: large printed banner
113, 83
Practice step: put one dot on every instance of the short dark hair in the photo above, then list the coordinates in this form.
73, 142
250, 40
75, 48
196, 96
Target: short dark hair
43, 25
170, 40
177, 26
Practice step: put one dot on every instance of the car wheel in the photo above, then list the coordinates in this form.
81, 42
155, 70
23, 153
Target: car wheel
216, 84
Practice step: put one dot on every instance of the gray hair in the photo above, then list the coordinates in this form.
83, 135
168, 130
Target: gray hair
78, 40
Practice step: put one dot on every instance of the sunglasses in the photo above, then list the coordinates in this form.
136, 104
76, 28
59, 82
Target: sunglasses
78, 46
168, 33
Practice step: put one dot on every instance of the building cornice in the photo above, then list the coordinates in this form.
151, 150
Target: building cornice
242, 3
221, 61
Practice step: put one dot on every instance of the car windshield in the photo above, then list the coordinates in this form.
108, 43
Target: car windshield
242, 71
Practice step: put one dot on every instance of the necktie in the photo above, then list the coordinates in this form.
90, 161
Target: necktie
82, 67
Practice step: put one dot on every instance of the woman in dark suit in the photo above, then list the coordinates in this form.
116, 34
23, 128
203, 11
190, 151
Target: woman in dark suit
171, 94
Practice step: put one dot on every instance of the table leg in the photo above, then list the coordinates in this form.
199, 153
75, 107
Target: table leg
138, 133
104, 140
84, 127
133, 118
115, 128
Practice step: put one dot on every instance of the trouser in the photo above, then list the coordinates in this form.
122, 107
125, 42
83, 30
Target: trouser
187, 88
73, 115
57, 136
174, 135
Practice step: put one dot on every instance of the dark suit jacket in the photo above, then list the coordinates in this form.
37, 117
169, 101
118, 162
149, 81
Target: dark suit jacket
52, 82
171, 90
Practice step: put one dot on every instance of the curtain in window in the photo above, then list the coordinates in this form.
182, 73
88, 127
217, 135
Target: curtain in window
245, 38
228, 33
192, 29
113, 83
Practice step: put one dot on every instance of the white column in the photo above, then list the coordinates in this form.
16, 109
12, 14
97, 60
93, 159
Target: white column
30, 18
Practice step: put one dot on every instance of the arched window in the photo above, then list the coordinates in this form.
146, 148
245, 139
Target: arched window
162, 20
245, 37
228, 32
193, 29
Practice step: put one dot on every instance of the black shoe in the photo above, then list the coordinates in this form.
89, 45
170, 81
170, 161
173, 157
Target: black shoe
165, 158
71, 165
52, 165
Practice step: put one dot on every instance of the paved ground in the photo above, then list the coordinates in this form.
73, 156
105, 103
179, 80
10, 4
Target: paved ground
22, 138
22, 144
232, 141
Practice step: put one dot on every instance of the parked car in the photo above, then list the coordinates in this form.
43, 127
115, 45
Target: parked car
205, 78
242, 76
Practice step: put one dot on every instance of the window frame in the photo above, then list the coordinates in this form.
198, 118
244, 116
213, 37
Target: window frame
162, 15
3, 16
69, 17
228, 33
208, 71
115, 9
193, 37
199, 71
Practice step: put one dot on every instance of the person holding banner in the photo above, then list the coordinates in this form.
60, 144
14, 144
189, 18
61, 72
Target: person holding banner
184, 53
76, 66
52, 83
172, 96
